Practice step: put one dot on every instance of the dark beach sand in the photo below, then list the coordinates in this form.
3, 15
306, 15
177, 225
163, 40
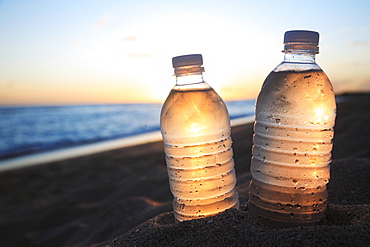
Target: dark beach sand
122, 198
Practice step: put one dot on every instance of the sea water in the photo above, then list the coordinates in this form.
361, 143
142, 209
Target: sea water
25, 129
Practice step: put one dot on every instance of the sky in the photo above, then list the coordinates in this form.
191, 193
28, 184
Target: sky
56, 52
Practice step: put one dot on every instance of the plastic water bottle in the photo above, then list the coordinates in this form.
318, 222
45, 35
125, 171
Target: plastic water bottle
195, 127
295, 114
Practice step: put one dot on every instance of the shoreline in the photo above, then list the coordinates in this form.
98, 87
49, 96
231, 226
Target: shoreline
89, 149
44, 157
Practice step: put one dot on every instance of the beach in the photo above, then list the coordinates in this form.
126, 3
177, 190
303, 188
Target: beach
121, 197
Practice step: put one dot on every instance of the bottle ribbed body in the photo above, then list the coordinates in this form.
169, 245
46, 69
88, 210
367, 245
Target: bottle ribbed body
295, 113
195, 127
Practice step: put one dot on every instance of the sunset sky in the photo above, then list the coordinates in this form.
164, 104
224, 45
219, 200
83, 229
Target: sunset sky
91, 52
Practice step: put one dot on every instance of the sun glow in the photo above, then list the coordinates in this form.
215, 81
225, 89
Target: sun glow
321, 116
195, 128
48, 58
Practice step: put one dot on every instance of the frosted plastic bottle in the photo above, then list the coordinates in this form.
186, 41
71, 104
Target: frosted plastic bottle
195, 127
294, 120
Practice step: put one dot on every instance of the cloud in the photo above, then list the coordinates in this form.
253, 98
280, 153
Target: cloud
77, 43
139, 55
351, 85
360, 43
9, 84
365, 84
103, 21
128, 38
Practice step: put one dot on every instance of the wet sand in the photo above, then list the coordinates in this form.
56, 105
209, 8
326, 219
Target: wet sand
122, 198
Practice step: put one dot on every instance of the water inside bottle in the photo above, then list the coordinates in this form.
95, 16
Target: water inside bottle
196, 131
295, 115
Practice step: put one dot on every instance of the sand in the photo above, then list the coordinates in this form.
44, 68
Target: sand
122, 198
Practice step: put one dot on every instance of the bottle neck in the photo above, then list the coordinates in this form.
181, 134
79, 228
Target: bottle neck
299, 57
183, 80
188, 77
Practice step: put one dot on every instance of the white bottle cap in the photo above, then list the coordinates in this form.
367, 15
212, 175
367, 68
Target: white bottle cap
187, 60
301, 36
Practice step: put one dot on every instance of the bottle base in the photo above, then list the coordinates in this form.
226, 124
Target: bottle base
183, 212
278, 220
281, 207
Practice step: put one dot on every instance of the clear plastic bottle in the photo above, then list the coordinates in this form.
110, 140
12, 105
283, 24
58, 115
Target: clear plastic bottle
295, 114
195, 127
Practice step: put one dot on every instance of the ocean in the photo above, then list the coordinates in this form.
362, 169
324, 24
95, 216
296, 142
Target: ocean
30, 130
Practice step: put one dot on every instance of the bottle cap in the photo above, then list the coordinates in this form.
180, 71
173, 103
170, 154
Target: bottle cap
187, 60
301, 36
